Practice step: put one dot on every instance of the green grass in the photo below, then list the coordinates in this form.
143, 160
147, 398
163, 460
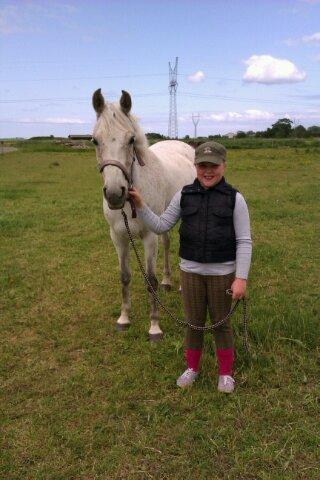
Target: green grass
81, 401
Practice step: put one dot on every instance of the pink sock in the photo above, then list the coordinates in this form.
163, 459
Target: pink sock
225, 360
193, 358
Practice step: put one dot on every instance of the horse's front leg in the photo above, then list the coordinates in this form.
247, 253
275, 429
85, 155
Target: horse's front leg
122, 246
150, 242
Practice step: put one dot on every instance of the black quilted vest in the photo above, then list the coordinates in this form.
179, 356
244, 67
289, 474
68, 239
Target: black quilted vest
206, 231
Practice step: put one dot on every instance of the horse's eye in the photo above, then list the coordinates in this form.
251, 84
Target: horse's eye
94, 141
132, 139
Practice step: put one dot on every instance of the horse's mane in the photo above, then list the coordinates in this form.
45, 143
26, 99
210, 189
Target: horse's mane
113, 117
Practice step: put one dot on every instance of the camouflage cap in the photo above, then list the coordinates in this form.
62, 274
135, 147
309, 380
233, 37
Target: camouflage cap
211, 152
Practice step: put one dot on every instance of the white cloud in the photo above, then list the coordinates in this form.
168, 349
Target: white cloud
54, 121
196, 77
245, 116
270, 70
225, 116
259, 115
313, 39
65, 120
218, 117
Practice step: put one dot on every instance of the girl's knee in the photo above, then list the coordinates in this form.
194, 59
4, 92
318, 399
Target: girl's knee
194, 339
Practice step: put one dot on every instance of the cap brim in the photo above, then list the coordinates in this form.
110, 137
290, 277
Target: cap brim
209, 159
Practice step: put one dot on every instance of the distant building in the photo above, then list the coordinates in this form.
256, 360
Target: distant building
230, 135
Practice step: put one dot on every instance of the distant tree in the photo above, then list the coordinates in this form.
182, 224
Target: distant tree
265, 133
282, 128
314, 131
240, 134
187, 137
299, 132
155, 135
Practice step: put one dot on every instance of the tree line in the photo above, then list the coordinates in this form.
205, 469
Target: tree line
282, 128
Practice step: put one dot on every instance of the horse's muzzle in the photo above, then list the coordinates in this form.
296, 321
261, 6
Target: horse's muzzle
115, 202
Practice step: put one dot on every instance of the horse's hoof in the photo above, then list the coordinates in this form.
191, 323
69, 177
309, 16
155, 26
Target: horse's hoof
166, 286
155, 337
122, 327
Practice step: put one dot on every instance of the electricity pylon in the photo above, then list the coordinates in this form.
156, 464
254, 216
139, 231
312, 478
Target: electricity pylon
173, 85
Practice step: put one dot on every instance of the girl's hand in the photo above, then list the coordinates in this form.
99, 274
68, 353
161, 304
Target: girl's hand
239, 287
136, 197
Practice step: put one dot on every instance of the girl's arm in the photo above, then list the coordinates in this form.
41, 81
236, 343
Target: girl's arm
241, 223
157, 224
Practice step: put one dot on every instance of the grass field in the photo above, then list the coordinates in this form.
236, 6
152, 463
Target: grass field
81, 401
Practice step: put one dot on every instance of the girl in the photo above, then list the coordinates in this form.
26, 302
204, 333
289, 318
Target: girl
215, 255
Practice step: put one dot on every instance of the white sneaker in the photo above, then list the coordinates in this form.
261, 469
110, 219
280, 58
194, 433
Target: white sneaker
187, 378
226, 384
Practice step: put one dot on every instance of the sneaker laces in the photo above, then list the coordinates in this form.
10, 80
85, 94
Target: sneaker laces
227, 379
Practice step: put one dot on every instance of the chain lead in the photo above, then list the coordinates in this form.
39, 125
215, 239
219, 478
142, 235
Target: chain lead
184, 322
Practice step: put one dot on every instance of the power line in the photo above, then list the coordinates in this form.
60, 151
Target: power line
137, 75
74, 99
84, 78
244, 99
141, 95
38, 122
213, 78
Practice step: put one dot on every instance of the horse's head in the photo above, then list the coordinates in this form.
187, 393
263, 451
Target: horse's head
116, 137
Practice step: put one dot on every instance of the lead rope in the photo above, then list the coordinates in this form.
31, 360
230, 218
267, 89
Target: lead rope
184, 322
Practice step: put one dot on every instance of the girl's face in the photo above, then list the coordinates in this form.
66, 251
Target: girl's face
209, 174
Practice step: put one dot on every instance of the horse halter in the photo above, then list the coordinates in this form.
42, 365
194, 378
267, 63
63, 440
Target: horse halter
126, 173
115, 163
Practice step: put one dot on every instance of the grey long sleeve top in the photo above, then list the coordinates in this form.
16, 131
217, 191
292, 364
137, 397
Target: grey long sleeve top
241, 221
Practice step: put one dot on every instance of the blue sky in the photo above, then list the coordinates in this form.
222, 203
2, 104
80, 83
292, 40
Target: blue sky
242, 64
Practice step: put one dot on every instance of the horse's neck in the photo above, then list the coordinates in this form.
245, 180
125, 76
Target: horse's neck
145, 177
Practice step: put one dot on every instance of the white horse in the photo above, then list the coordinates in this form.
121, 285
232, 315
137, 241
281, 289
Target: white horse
158, 172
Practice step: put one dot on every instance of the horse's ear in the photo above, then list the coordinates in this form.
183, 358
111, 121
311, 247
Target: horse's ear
98, 101
125, 102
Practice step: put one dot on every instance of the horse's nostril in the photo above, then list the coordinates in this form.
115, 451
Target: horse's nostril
115, 199
112, 195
